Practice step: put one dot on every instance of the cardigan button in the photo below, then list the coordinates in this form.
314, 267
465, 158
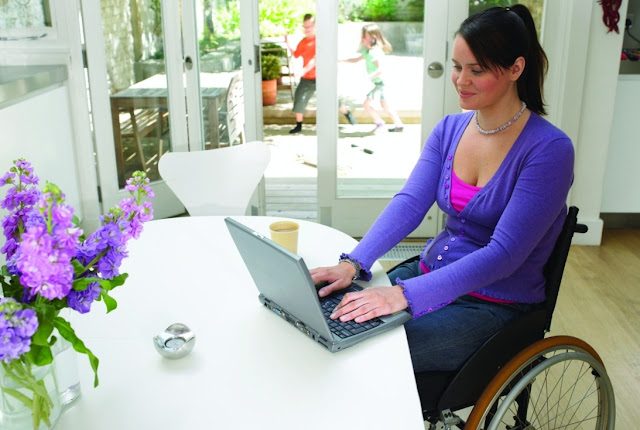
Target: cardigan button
439, 257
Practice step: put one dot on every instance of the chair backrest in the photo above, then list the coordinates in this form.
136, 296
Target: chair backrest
554, 268
235, 109
218, 181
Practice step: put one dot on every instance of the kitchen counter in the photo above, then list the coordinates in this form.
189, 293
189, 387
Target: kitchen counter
19, 82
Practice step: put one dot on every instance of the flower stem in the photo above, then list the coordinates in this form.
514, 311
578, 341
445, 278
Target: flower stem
40, 403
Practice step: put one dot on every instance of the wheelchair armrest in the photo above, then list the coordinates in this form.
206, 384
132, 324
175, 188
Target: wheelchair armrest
471, 380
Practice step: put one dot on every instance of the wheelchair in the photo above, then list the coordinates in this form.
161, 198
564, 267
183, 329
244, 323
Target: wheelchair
520, 380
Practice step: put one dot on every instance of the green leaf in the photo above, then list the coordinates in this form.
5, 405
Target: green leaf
81, 284
40, 355
41, 336
65, 330
11, 286
78, 268
117, 281
106, 284
109, 301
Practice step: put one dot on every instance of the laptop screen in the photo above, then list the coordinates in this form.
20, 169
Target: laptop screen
281, 276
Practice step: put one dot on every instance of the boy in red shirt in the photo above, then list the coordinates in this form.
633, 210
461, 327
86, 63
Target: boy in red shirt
307, 86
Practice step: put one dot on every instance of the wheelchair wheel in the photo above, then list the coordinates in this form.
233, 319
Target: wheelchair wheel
557, 383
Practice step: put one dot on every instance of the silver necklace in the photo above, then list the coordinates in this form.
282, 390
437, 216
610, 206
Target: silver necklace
502, 127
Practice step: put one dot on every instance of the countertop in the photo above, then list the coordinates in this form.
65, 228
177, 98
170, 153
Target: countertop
16, 82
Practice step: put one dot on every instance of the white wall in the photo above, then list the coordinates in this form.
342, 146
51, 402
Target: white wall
600, 81
39, 130
580, 91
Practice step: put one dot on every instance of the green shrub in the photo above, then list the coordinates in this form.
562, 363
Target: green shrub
270, 67
379, 10
274, 49
278, 17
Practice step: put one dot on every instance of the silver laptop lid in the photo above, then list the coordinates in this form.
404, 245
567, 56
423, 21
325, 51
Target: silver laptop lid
281, 276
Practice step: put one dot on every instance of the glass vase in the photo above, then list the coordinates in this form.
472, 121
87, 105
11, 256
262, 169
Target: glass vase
65, 365
18, 409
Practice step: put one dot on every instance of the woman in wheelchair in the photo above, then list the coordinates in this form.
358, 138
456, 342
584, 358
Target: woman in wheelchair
501, 174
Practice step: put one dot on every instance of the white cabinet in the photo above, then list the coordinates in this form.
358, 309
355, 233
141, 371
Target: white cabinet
37, 126
622, 175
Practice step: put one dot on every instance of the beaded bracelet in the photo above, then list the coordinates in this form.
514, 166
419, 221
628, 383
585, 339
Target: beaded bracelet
354, 264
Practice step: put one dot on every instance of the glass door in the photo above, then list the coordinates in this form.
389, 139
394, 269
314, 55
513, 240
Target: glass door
159, 73
373, 130
368, 155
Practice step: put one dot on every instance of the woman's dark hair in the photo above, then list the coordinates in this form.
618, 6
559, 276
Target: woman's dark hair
497, 36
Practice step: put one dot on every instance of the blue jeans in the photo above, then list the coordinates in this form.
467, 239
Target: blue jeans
443, 340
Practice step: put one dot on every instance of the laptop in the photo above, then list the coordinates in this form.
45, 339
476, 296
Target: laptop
285, 288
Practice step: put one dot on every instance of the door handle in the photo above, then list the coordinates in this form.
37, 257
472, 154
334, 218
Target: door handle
435, 70
256, 54
188, 63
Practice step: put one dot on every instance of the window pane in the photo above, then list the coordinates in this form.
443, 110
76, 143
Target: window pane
379, 116
535, 6
24, 14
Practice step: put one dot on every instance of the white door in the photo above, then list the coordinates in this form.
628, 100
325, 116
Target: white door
357, 180
157, 84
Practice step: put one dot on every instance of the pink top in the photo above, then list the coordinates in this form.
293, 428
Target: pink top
461, 194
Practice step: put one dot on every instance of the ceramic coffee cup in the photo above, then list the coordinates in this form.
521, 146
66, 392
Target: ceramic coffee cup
285, 233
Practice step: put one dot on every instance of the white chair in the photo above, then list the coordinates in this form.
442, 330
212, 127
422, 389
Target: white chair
233, 111
217, 181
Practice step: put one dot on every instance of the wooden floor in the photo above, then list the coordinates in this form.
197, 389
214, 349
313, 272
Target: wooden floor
599, 302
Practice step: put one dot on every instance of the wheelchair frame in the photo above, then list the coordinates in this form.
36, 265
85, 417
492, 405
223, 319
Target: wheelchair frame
502, 377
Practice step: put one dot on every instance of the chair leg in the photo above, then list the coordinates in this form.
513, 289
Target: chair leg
136, 136
159, 133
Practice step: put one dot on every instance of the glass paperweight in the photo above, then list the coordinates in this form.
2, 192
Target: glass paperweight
175, 342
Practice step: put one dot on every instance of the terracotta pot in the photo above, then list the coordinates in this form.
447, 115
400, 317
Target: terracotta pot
269, 92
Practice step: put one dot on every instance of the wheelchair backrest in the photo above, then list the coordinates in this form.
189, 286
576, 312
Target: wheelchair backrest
554, 268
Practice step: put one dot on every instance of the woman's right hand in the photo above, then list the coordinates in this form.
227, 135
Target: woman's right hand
338, 276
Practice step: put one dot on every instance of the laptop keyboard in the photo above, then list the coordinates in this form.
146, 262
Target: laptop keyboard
348, 328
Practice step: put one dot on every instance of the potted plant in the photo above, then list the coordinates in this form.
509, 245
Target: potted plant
270, 74
50, 267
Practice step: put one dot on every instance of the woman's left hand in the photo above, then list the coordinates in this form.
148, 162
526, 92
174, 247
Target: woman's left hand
369, 303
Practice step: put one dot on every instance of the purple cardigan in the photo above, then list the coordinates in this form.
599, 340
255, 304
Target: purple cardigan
497, 246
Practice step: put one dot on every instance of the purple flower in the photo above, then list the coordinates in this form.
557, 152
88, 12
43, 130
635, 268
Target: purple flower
62, 214
45, 264
7, 178
109, 264
44, 249
10, 224
9, 247
17, 325
81, 300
